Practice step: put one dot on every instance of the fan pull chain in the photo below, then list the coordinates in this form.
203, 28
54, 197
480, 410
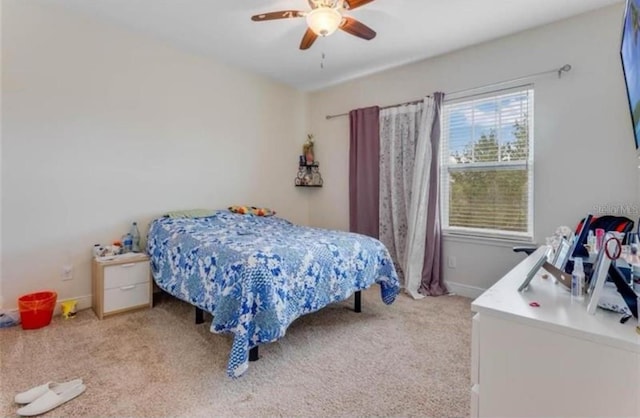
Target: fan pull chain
322, 62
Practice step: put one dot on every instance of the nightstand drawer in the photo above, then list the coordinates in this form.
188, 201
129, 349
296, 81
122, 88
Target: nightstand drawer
126, 296
126, 274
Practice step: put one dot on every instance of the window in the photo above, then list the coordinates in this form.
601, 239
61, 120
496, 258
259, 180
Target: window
487, 164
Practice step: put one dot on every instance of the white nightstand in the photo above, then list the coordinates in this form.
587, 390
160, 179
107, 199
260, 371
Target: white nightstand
121, 284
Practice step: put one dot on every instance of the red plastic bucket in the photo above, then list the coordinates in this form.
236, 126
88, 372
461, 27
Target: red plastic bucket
36, 309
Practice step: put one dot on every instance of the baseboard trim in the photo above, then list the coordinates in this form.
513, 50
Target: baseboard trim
465, 290
84, 302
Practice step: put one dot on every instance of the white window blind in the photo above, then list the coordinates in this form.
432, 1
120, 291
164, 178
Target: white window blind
487, 164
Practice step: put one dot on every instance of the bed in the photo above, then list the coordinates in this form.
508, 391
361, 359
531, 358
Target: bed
257, 274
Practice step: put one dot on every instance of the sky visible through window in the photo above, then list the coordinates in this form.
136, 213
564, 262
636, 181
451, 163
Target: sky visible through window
469, 121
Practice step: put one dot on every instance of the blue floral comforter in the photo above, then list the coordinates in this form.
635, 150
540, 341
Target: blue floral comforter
256, 275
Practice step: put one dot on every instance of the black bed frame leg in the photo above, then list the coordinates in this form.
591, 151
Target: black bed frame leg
199, 316
253, 354
358, 304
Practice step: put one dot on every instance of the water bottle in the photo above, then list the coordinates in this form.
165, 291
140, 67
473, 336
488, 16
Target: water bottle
135, 238
127, 243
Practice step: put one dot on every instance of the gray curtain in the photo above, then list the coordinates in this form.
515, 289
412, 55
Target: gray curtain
432, 283
364, 152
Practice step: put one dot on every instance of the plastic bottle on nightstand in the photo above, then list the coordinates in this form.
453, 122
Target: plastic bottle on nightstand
127, 243
135, 238
577, 280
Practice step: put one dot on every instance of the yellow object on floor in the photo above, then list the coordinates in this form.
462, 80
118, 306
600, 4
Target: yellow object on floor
68, 308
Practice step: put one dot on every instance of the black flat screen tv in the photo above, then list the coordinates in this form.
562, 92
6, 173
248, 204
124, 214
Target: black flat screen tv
630, 55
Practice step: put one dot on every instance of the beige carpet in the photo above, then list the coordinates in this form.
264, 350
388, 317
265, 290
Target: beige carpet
407, 359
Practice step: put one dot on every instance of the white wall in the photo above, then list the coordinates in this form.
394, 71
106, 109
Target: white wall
584, 153
102, 127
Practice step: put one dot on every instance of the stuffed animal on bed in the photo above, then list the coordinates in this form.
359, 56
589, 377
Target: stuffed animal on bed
252, 210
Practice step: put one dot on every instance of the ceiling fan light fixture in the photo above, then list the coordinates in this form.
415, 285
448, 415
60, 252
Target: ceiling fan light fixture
323, 21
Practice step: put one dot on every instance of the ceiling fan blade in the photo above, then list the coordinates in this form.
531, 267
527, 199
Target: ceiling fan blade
308, 39
355, 28
353, 4
284, 14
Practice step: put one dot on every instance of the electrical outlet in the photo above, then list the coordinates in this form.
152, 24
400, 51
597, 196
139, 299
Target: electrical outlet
451, 262
67, 272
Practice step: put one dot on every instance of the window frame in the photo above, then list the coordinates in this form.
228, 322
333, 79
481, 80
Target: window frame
528, 164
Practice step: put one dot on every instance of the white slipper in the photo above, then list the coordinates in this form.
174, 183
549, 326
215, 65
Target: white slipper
50, 400
35, 392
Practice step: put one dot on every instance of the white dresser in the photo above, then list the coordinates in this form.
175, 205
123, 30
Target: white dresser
552, 360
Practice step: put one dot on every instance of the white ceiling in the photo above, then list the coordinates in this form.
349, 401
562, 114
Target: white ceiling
408, 31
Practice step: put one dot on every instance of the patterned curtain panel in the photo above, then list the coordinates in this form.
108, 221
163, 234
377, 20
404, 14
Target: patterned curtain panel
409, 209
399, 130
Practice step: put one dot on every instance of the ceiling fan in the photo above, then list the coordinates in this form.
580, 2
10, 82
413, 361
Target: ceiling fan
324, 18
